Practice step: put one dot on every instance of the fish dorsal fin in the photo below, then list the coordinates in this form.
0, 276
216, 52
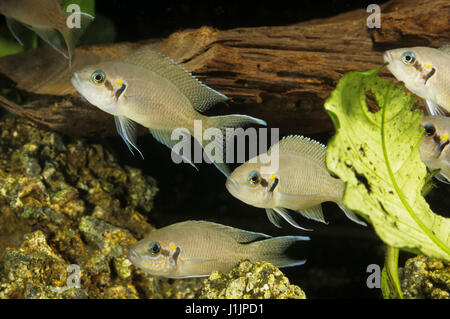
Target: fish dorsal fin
241, 236
305, 146
201, 96
445, 48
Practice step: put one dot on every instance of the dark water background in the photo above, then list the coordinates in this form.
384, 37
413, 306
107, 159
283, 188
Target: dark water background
338, 253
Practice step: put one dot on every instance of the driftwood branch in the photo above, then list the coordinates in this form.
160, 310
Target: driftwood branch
280, 74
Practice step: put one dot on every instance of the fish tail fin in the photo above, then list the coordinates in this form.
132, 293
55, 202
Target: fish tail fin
218, 146
351, 214
73, 34
17, 30
279, 251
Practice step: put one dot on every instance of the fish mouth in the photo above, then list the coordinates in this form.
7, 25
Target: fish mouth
232, 186
133, 256
75, 80
387, 57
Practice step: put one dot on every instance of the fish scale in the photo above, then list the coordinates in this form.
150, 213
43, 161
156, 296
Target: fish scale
205, 246
152, 90
434, 150
304, 182
47, 20
426, 73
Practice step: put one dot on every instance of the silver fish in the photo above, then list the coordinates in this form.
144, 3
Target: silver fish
196, 248
47, 19
434, 149
154, 91
300, 183
425, 72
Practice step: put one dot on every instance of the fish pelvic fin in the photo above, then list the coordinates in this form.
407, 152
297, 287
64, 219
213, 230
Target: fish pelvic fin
165, 137
433, 108
219, 145
442, 178
275, 250
314, 213
350, 214
275, 216
127, 131
200, 95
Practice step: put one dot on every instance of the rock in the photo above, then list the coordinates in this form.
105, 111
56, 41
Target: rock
65, 202
32, 271
261, 280
425, 278
68, 215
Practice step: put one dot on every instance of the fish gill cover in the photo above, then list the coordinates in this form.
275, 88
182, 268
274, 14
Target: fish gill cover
376, 152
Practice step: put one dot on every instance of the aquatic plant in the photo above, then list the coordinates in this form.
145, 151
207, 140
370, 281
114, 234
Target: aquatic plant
376, 152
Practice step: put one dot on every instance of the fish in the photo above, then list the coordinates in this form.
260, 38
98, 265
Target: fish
425, 72
47, 19
154, 91
434, 148
196, 248
300, 182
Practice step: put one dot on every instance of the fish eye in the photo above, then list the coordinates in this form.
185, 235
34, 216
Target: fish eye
154, 248
254, 178
408, 58
98, 77
430, 130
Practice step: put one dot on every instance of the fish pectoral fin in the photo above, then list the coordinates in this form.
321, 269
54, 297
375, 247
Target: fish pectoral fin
442, 178
127, 131
199, 260
274, 215
165, 137
433, 108
314, 213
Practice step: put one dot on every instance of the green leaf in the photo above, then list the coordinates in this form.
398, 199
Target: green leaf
376, 151
390, 284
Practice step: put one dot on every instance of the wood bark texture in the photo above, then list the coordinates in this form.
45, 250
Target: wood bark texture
281, 74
